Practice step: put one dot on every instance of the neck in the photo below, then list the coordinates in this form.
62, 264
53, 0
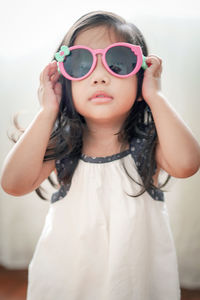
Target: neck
101, 139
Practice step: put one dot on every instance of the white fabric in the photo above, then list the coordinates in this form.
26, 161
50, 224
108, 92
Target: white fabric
98, 243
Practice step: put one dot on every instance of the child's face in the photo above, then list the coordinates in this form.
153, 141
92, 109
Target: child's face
102, 97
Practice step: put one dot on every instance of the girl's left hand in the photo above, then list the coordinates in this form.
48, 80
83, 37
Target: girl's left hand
152, 78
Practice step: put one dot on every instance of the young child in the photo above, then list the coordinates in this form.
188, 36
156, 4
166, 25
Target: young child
108, 130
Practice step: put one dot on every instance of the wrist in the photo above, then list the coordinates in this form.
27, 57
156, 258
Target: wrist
155, 98
49, 114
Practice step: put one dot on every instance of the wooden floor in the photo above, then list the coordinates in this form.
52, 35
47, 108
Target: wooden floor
13, 285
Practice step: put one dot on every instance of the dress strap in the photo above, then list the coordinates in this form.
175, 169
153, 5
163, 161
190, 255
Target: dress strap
140, 155
64, 188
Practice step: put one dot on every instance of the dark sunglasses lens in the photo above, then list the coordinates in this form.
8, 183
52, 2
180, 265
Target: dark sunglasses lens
121, 60
78, 63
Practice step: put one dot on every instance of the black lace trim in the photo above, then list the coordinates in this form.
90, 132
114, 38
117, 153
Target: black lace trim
135, 150
105, 159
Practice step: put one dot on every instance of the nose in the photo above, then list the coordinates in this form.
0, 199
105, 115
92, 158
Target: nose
100, 74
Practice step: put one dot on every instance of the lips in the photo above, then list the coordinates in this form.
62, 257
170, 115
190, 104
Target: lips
100, 96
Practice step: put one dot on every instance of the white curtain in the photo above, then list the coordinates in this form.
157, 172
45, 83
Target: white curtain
27, 46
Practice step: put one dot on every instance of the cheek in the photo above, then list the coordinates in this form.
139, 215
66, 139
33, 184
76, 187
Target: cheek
76, 92
129, 90
78, 96
133, 85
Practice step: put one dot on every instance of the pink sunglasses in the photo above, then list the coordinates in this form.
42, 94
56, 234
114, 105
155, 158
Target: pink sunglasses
120, 59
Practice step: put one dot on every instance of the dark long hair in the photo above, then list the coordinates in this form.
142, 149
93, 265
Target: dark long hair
66, 138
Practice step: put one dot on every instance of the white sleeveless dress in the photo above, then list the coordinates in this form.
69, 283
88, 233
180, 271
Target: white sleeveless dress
98, 243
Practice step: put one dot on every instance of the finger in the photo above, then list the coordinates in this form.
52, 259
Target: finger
55, 76
52, 67
154, 60
58, 90
44, 73
49, 71
53, 73
155, 64
155, 56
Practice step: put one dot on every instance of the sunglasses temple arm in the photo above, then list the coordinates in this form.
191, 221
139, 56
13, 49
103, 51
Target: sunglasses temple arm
144, 65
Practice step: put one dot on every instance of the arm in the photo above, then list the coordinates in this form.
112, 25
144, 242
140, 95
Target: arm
178, 153
24, 169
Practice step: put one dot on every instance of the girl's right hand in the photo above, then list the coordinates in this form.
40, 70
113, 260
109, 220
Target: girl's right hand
50, 90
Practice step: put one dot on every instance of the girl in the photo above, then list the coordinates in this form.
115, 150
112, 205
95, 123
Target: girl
108, 130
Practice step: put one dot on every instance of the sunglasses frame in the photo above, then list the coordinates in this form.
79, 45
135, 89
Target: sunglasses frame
65, 51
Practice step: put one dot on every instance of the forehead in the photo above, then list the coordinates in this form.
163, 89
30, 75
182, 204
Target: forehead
97, 37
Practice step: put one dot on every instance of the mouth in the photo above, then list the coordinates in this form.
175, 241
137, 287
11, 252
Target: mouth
100, 97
